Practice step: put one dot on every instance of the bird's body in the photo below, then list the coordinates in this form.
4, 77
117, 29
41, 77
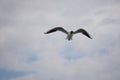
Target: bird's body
69, 34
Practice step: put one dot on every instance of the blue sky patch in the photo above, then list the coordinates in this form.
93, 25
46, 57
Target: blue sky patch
32, 58
69, 57
103, 51
71, 53
8, 74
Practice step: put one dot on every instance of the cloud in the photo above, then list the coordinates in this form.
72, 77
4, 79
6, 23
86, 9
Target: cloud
25, 48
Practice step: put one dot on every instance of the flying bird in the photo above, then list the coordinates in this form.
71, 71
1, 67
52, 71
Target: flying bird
69, 34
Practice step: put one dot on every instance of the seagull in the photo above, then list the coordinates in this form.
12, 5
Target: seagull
69, 34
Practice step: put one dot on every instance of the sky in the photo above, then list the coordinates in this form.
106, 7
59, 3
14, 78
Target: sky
26, 53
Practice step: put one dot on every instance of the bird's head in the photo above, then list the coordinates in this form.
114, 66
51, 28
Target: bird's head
71, 32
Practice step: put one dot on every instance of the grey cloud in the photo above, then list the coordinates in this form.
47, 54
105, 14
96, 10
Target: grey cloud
19, 12
26, 21
108, 21
8, 13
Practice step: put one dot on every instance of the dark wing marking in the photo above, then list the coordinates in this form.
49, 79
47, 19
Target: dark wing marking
57, 29
83, 32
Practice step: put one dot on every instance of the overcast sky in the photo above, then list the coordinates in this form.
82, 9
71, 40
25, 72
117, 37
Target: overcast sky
26, 53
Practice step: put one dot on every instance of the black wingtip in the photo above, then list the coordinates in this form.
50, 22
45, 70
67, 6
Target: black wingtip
91, 38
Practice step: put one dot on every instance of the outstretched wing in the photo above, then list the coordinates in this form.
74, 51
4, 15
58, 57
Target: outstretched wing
56, 29
83, 32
